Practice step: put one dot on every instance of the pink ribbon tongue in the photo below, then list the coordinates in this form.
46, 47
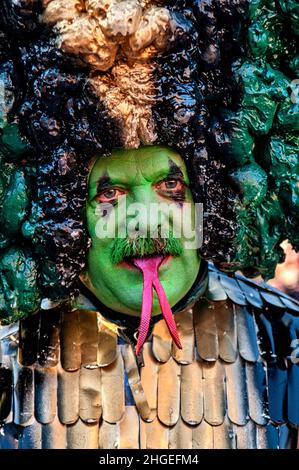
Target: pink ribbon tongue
149, 268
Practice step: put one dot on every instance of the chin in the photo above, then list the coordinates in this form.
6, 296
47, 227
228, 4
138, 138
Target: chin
129, 311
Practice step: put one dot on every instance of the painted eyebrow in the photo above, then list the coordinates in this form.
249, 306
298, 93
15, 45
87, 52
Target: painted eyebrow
174, 170
104, 182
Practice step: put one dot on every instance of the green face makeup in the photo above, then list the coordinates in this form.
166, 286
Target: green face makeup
136, 200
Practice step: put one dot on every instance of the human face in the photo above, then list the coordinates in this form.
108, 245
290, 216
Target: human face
148, 176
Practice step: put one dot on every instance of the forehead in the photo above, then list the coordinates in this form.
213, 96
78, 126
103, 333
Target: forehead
147, 162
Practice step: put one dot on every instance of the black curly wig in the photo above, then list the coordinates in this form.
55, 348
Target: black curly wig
224, 103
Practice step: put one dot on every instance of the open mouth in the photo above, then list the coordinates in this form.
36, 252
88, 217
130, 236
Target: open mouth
128, 263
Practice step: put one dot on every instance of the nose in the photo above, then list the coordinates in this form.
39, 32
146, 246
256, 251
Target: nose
146, 215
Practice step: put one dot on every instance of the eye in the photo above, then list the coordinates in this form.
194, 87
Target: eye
171, 184
109, 195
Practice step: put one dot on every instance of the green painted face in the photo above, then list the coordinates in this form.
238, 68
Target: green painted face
140, 190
